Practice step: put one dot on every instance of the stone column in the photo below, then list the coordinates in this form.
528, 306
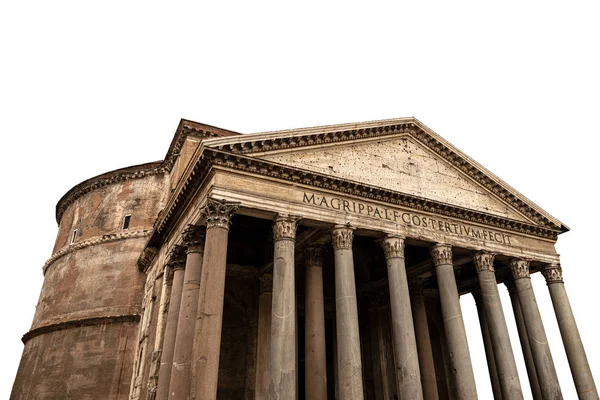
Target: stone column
540, 349
209, 315
181, 371
524, 339
456, 336
426, 364
282, 369
487, 344
494, 316
265, 301
580, 369
408, 376
315, 360
177, 264
346, 316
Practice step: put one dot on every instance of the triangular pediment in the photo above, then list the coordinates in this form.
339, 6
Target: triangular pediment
400, 164
401, 156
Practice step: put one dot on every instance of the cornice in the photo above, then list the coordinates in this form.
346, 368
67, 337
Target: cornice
78, 323
292, 139
190, 128
111, 237
322, 181
186, 128
108, 178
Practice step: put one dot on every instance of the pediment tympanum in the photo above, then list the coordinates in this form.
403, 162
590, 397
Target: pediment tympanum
400, 164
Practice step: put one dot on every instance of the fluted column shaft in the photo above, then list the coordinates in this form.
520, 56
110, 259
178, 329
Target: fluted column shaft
580, 368
263, 345
524, 340
349, 365
540, 349
408, 376
487, 344
315, 357
177, 263
282, 369
456, 336
209, 315
181, 371
494, 315
425, 351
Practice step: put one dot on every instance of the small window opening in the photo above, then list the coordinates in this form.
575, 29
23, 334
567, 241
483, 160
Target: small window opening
74, 236
126, 221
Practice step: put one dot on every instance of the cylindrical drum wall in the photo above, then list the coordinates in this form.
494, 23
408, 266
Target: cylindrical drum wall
82, 340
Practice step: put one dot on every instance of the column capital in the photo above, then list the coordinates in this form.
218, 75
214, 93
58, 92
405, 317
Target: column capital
177, 257
284, 227
519, 268
483, 261
441, 254
314, 256
393, 246
219, 212
266, 283
194, 237
341, 236
553, 274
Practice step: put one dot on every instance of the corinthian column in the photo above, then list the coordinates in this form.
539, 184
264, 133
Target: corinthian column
487, 345
494, 316
263, 345
282, 369
408, 377
181, 371
346, 316
524, 340
426, 363
454, 326
315, 360
580, 369
207, 337
177, 264
540, 349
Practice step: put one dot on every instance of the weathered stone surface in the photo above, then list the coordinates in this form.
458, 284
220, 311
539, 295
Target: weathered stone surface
105, 293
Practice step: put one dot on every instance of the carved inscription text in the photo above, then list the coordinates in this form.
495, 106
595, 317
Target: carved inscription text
403, 217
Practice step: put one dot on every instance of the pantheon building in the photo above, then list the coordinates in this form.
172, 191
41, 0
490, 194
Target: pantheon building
314, 263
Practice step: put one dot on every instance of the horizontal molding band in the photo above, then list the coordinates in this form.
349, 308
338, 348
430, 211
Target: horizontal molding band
111, 319
111, 237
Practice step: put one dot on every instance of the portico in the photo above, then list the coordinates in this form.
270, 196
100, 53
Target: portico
324, 248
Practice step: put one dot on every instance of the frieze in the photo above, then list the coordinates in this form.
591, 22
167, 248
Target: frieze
284, 227
484, 261
519, 268
218, 213
393, 247
553, 274
407, 218
441, 254
111, 237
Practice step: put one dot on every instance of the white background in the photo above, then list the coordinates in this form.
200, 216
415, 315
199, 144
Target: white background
90, 87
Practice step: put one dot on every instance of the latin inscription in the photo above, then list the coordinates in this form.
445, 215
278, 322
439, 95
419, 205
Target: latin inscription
408, 218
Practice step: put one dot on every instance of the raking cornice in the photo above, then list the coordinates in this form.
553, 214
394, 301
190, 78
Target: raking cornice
212, 157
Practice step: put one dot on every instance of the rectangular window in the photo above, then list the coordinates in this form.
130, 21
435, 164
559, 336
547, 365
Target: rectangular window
126, 221
74, 236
